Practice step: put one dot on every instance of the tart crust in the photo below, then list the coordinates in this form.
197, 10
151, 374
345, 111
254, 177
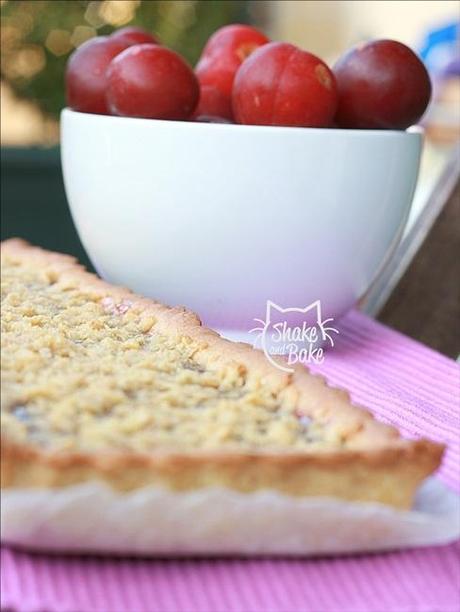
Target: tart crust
381, 467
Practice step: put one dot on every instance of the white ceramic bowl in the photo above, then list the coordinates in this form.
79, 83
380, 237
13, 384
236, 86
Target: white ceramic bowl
222, 218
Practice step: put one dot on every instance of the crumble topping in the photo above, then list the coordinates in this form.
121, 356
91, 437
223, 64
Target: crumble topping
84, 373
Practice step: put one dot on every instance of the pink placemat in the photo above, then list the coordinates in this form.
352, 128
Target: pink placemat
405, 384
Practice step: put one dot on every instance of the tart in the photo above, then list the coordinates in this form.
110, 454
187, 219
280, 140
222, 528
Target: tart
99, 383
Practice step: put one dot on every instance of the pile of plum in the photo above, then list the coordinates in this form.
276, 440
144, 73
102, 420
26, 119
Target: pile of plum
243, 77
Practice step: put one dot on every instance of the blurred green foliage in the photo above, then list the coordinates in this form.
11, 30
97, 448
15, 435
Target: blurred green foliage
37, 36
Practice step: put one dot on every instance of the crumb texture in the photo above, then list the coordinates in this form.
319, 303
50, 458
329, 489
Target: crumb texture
81, 371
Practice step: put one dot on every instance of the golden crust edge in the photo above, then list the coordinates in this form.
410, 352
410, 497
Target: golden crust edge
415, 458
388, 475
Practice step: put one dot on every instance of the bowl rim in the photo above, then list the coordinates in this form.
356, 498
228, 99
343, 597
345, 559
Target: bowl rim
415, 131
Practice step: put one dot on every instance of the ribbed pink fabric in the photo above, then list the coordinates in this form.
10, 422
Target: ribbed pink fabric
404, 383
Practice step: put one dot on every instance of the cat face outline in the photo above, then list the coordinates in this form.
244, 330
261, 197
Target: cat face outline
272, 306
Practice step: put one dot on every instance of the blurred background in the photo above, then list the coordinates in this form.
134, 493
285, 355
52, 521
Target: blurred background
38, 36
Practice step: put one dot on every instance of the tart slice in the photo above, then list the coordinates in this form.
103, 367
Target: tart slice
98, 382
